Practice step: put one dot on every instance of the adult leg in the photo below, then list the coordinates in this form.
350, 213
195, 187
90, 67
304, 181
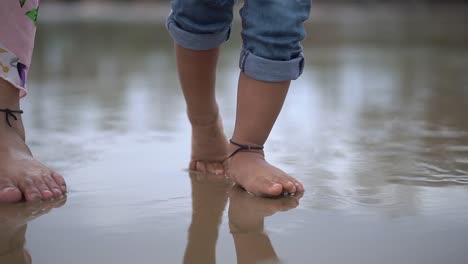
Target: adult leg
13, 224
21, 176
199, 28
271, 58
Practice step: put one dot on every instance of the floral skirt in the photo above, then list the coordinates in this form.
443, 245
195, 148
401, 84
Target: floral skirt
18, 20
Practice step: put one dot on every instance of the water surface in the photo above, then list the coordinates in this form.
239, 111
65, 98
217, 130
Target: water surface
376, 131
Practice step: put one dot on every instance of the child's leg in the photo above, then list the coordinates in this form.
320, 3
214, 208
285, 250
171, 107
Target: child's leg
247, 215
272, 30
209, 198
21, 176
197, 71
198, 29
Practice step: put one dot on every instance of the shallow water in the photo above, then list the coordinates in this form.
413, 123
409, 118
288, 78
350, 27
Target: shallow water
376, 131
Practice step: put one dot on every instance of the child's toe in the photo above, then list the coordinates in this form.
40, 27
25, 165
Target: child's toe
215, 167
273, 189
287, 184
200, 166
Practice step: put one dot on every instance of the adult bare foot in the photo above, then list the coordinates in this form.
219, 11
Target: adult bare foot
13, 224
209, 144
19, 214
21, 175
250, 170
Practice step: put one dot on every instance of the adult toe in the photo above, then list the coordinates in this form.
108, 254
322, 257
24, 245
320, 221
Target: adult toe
43, 189
9, 193
53, 186
29, 190
60, 181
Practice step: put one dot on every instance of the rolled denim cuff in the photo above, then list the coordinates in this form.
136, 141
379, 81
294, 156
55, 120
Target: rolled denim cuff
196, 41
267, 70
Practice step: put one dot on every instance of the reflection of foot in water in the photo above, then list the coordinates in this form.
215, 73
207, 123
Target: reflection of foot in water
209, 198
13, 223
246, 221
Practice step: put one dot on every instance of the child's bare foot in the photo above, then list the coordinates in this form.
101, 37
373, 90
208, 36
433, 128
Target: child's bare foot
22, 176
247, 212
209, 144
250, 170
246, 222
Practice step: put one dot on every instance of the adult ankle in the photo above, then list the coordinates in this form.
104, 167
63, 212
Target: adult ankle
9, 95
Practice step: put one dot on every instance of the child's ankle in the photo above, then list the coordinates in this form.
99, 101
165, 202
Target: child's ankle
247, 142
232, 148
203, 118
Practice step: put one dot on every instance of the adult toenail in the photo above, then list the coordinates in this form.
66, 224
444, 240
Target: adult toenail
10, 189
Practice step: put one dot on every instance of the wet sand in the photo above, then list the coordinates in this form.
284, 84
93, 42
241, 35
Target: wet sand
376, 130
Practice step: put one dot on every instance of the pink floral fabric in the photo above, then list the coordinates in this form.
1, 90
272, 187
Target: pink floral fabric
18, 20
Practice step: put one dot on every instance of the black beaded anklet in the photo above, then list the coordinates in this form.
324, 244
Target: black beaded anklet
243, 147
10, 113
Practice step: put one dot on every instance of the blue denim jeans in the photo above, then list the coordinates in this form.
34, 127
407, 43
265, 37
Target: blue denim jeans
271, 33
